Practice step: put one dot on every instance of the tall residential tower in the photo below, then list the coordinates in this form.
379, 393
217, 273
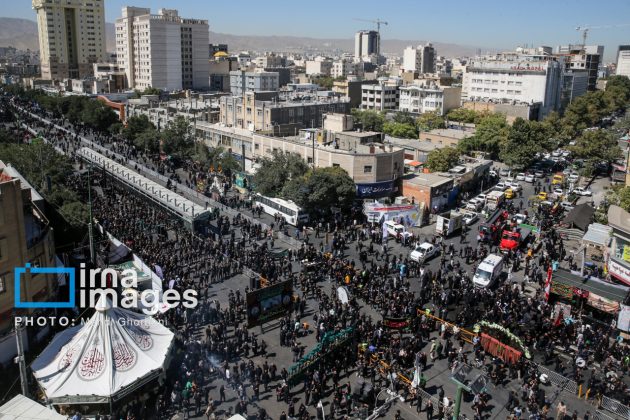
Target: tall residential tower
71, 37
163, 51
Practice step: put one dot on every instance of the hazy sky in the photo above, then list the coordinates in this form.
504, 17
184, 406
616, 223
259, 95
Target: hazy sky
483, 23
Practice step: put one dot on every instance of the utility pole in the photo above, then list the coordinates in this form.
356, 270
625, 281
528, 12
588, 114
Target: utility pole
20, 360
90, 224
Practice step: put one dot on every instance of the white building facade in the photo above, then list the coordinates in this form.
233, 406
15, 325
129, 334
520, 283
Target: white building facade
366, 44
514, 78
623, 61
253, 81
163, 51
420, 59
71, 37
379, 97
429, 97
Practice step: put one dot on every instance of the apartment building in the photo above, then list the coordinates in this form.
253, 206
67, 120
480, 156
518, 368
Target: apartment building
270, 60
342, 68
366, 163
523, 76
420, 59
428, 96
351, 89
263, 111
320, 66
71, 37
253, 81
619, 255
583, 57
162, 50
380, 97
25, 237
623, 61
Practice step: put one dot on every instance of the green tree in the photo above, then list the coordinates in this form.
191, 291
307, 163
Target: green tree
619, 195
491, 132
369, 120
462, 115
441, 160
596, 146
400, 130
322, 188
430, 121
275, 171
623, 124
148, 140
403, 117
136, 125
178, 138
147, 91
524, 141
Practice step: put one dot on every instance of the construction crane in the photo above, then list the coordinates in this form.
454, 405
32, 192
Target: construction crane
378, 22
586, 28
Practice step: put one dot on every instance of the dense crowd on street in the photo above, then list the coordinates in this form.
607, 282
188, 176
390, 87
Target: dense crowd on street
220, 352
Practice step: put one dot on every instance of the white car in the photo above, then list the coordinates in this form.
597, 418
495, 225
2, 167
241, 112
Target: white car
583, 191
501, 186
504, 172
475, 204
520, 176
519, 218
567, 206
424, 252
573, 178
492, 172
558, 191
515, 186
470, 218
481, 197
539, 174
529, 178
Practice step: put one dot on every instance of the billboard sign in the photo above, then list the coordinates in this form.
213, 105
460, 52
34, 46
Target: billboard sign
269, 303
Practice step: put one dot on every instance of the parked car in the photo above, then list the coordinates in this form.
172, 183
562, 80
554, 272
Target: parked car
519, 218
470, 218
501, 186
493, 173
481, 197
504, 172
520, 176
583, 191
558, 191
515, 186
573, 178
539, 174
567, 206
475, 204
424, 252
529, 178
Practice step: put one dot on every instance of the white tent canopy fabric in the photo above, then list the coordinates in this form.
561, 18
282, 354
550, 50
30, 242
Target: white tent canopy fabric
22, 408
115, 352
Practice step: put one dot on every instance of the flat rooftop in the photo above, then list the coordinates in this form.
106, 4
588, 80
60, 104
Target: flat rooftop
429, 180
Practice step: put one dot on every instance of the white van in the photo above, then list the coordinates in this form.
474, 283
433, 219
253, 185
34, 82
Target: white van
488, 271
394, 228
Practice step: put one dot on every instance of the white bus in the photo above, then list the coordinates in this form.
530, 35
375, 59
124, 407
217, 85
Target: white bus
291, 212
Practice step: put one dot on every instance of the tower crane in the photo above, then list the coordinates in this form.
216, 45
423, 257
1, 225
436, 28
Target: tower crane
378, 23
586, 28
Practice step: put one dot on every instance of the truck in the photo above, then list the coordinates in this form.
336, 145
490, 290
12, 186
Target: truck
448, 223
488, 271
494, 199
511, 240
490, 229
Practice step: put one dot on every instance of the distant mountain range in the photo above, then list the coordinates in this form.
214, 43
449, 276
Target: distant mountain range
22, 34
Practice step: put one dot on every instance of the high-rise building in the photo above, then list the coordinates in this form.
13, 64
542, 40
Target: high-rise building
587, 57
71, 37
420, 59
623, 61
253, 81
366, 43
163, 51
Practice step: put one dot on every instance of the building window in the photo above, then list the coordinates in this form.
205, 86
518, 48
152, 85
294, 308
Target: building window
335, 165
367, 169
3, 282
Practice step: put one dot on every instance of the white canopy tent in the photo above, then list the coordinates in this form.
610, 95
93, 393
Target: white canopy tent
23, 408
113, 354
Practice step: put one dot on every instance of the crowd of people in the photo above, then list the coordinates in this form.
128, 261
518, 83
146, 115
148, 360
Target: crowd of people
438, 301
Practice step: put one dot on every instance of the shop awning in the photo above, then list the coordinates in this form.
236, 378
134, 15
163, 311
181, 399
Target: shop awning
614, 292
412, 163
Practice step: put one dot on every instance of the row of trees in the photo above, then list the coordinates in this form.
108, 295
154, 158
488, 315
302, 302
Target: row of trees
518, 144
286, 175
402, 124
49, 172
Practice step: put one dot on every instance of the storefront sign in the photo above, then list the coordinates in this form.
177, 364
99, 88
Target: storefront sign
405, 214
619, 271
375, 189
